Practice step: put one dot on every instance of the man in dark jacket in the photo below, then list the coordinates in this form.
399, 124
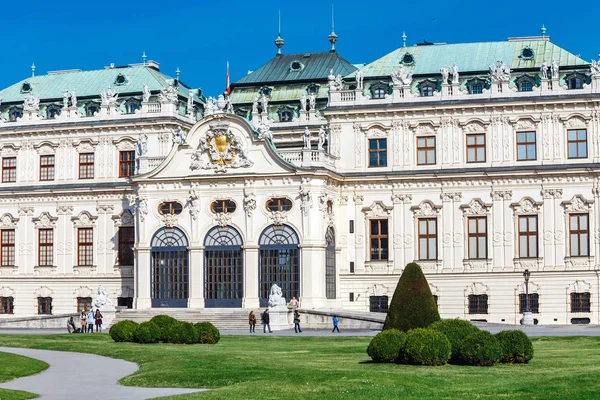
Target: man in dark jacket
266, 321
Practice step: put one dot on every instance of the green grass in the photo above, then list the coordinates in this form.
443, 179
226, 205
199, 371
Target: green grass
13, 366
331, 368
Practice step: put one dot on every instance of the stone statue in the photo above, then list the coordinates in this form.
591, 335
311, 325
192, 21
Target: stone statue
65, 98
102, 299
264, 101
322, 137
595, 68
229, 106
109, 97
168, 94
402, 76
339, 82
544, 70
306, 138
445, 73
454, 72
499, 72
142, 144
264, 131
359, 79
303, 102
190, 102
331, 80
73, 98
255, 106
145, 94
276, 298
179, 136
554, 69
31, 103
312, 100
210, 106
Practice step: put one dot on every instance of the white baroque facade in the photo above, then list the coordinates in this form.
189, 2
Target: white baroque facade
325, 185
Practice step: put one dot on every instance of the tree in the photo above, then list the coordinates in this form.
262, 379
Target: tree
413, 305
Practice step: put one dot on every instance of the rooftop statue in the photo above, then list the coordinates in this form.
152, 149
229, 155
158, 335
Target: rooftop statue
264, 101
595, 68
109, 97
331, 80
168, 94
65, 98
255, 106
322, 137
31, 103
145, 94
359, 79
142, 144
264, 131
554, 69
544, 70
303, 102
402, 76
499, 72
306, 138
312, 100
190, 102
454, 72
445, 74
339, 82
179, 136
210, 106
73, 98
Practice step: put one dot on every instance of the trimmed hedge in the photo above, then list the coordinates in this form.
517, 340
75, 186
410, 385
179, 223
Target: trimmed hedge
163, 322
181, 333
207, 333
147, 332
516, 346
426, 347
386, 346
123, 331
480, 349
413, 305
456, 330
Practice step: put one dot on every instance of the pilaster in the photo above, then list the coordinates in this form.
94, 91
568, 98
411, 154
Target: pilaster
196, 277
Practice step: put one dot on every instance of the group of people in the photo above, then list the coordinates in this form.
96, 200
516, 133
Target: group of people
87, 321
265, 319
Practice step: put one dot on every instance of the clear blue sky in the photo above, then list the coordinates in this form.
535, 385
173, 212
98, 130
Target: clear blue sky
200, 36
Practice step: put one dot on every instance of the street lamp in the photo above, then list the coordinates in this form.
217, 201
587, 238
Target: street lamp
527, 315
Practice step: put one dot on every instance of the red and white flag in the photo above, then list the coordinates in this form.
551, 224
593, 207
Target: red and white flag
228, 90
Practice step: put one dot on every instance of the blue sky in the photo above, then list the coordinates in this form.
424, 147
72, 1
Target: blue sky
200, 36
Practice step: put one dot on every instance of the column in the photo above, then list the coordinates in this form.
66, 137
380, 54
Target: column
251, 299
312, 274
142, 278
196, 277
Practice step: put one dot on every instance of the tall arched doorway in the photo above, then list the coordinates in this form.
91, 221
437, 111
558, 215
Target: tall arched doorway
223, 268
330, 274
169, 261
279, 261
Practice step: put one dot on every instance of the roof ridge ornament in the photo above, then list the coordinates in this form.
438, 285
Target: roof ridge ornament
279, 42
404, 37
332, 36
32, 69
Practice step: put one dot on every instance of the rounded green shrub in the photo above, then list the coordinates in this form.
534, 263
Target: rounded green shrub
426, 347
456, 330
207, 333
480, 349
386, 346
123, 331
147, 332
412, 305
516, 346
181, 333
163, 322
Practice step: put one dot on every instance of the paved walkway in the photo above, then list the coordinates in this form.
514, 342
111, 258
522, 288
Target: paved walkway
70, 372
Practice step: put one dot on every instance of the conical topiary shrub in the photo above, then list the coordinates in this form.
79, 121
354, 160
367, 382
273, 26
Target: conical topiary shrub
413, 305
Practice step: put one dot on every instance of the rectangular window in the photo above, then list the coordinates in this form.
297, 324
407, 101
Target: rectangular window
427, 238
534, 303
7, 247
46, 247
577, 143
7, 305
126, 242
351, 267
580, 302
44, 305
9, 169
377, 152
84, 304
379, 239
126, 163
378, 304
351, 296
125, 302
47, 168
85, 246
478, 304
426, 150
477, 237
526, 146
528, 236
579, 238
476, 88
86, 166
476, 148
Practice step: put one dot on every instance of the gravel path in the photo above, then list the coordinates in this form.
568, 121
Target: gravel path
82, 376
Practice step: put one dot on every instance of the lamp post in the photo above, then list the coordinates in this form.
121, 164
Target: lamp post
527, 315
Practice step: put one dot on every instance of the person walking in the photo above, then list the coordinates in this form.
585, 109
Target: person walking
98, 321
266, 321
335, 325
297, 322
83, 321
252, 322
90, 321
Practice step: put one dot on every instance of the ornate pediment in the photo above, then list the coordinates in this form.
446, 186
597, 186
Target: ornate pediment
43, 291
579, 286
527, 206
83, 291
576, 122
124, 219
425, 129
7, 221
533, 288
577, 204
45, 220
377, 209
378, 290
84, 220
85, 146
476, 207
426, 209
474, 127
46, 148
525, 124
477, 288
9, 150
220, 149
7, 291
125, 143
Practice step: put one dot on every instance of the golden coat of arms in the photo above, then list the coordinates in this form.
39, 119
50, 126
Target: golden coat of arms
223, 148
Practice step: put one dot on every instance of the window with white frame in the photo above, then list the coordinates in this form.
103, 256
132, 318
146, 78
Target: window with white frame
477, 237
428, 238
579, 235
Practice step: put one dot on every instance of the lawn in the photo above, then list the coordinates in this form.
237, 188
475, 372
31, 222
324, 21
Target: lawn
14, 366
252, 367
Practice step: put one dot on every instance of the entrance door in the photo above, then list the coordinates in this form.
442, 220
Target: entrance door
169, 286
223, 268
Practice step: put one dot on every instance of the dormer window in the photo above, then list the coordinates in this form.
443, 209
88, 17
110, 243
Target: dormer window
313, 88
52, 112
120, 80
131, 105
379, 90
26, 87
285, 115
296, 66
14, 114
427, 88
241, 112
407, 59
91, 109
527, 53
475, 86
266, 91
575, 81
525, 84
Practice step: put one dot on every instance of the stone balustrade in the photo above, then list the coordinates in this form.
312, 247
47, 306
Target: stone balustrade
147, 164
308, 158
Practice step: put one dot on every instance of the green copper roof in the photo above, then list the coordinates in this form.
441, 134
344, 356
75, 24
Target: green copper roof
89, 83
473, 57
312, 67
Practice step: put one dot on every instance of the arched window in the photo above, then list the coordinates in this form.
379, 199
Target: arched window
576, 81
169, 261
330, 273
223, 268
279, 259
427, 88
379, 90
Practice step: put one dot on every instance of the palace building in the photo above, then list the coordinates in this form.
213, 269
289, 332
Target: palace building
476, 160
